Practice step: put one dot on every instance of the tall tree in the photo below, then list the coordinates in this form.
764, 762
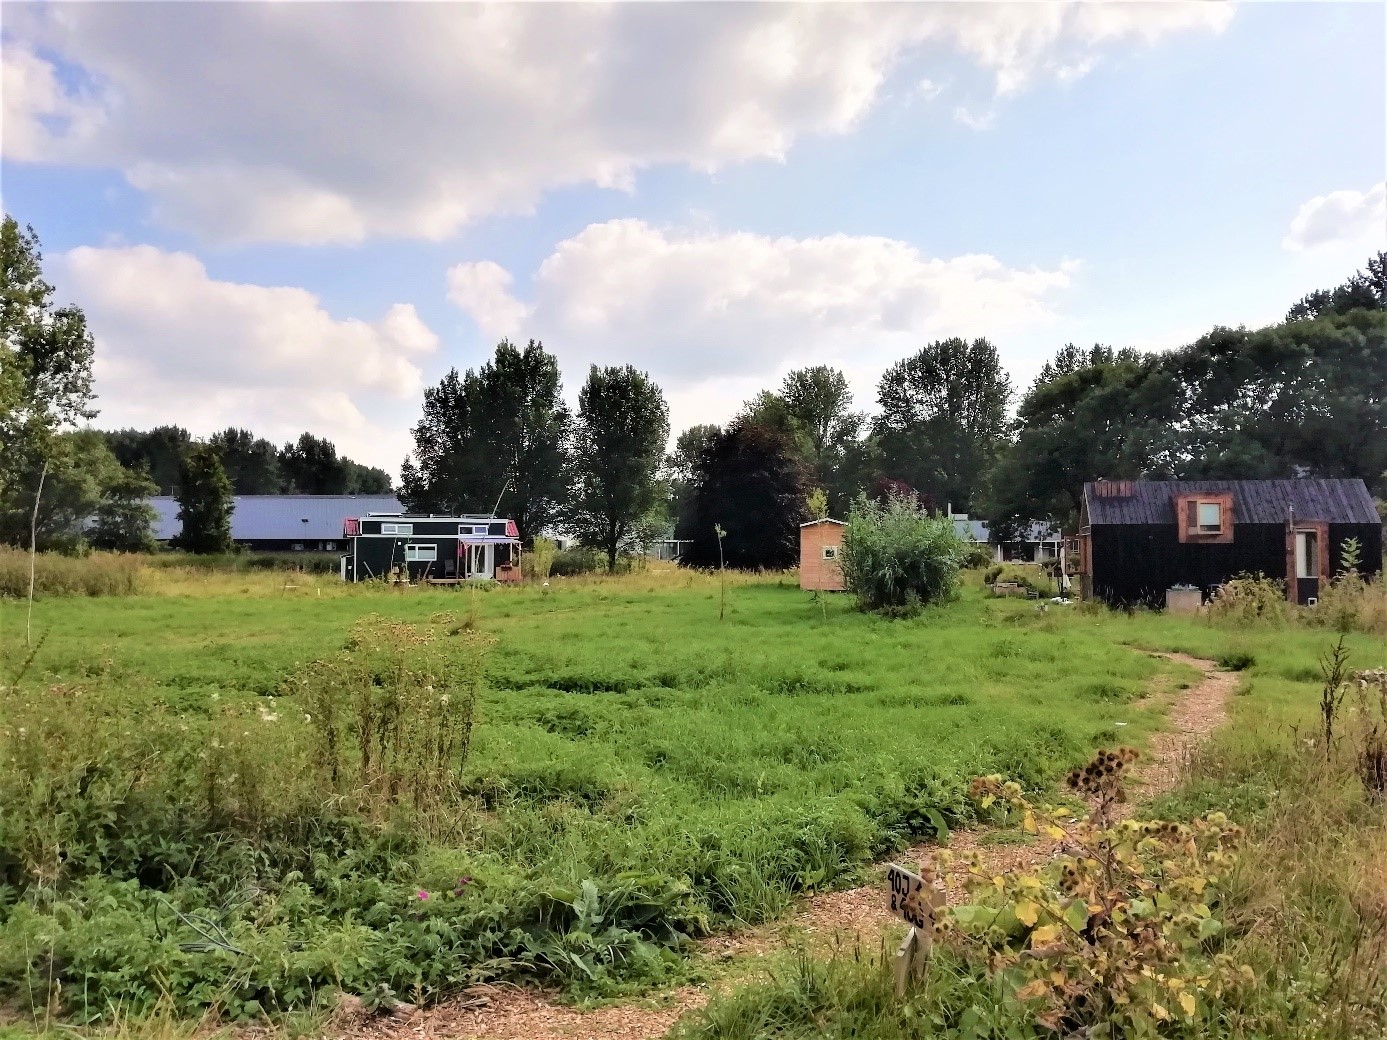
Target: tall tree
251, 462
1364, 290
366, 480
943, 418
820, 402
680, 469
311, 466
204, 503
1070, 359
124, 518
500, 427
751, 482
618, 444
158, 451
45, 370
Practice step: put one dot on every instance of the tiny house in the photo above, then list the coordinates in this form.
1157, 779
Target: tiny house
1139, 538
820, 545
434, 549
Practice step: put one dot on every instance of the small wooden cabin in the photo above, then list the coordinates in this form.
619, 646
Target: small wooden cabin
1139, 538
820, 543
431, 548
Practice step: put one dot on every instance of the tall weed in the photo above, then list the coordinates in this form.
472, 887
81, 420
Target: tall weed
55, 574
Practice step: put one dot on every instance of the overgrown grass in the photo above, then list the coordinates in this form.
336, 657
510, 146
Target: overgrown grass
98, 574
637, 775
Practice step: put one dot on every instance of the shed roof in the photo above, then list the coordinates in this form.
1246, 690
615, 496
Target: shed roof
824, 520
1254, 501
289, 517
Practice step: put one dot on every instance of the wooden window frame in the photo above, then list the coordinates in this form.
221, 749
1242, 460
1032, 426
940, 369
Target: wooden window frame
830, 552
1187, 517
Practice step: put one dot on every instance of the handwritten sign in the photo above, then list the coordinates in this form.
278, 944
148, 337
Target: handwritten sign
911, 899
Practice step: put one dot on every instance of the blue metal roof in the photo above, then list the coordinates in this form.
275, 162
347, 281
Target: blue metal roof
285, 517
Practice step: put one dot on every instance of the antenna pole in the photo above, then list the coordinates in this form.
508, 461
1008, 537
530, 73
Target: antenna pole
499, 497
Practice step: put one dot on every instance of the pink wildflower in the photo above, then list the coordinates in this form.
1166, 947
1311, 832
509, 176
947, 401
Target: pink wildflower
422, 895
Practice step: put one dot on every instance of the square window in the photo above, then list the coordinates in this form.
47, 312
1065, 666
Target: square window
1210, 517
830, 552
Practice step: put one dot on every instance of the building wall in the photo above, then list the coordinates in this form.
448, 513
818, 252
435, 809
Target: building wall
814, 571
1136, 563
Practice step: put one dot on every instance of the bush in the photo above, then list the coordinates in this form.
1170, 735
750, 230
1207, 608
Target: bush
1248, 600
1351, 603
977, 555
578, 560
897, 557
98, 574
538, 563
1030, 576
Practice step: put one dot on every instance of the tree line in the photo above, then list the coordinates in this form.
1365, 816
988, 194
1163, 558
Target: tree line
1304, 397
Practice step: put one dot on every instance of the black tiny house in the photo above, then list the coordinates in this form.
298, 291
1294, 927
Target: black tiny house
1139, 538
431, 548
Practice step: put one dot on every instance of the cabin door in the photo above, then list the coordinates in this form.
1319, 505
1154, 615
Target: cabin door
1307, 565
480, 561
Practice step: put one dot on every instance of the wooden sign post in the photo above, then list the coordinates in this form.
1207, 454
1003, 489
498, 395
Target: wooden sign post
915, 902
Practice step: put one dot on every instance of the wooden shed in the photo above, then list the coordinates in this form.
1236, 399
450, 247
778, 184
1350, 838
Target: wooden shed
1139, 538
820, 543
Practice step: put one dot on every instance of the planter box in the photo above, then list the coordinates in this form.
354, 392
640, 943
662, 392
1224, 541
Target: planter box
1183, 601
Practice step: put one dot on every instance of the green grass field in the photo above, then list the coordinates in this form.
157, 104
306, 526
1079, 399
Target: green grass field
641, 772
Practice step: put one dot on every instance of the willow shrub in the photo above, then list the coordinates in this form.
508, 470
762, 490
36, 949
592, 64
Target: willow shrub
897, 558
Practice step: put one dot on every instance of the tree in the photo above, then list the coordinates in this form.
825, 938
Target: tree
158, 451
79, 472
502, 426
311, 466
1364, 290
204, 503
680, 468
819, 401
943, 418
618, 443
251, 462
45, 371
124, 517
1070, 359
750, 482
366, 480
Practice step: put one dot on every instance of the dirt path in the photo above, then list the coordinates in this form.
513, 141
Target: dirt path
507, 1013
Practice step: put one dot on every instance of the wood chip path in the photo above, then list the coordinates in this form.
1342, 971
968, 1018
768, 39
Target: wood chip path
853, 915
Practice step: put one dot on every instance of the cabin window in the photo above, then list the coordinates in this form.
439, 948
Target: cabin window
498, 529
471, 529
396, 528
830, 552
1209, 517
1307, 554
297, 547
329, 545
421, 553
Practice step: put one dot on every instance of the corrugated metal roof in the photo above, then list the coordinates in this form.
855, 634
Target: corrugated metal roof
288, 517
1254, 501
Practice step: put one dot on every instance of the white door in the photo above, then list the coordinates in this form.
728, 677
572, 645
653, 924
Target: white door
480, 561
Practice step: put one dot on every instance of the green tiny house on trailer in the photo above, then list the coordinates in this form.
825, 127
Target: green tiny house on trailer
431, 548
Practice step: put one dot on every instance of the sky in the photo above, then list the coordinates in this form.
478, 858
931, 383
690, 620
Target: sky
293, 217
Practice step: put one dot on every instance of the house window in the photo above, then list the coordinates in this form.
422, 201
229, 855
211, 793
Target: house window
466, 530
297, 547
1210, 517
830, 552
396, 528
421, 553
329, 545
1307, 554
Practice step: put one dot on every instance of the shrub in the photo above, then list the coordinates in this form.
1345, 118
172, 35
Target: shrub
1248, 600
578, 560
897, 557
538, 563
98, 574
1351, 603
1031, 576
977, 555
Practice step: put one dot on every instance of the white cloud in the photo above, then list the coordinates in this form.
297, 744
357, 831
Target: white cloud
321, 123
710, 314
176, 345
1347, 218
